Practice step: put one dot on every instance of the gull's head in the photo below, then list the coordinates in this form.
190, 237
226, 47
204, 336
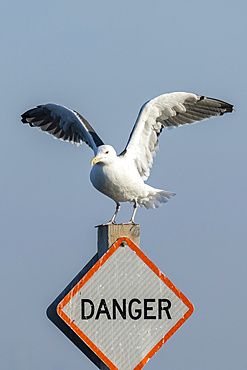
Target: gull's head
105, 154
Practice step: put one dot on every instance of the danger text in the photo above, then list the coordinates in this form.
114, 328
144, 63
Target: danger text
135, 309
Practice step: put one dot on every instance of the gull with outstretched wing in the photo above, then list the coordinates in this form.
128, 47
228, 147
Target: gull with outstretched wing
121, 177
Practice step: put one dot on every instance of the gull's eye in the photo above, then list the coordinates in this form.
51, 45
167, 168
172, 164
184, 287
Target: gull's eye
107, 152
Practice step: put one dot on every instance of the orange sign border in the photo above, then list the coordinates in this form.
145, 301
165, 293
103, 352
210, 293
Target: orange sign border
88, 276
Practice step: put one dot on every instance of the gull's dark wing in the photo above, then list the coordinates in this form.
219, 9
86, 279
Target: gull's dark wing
63, 123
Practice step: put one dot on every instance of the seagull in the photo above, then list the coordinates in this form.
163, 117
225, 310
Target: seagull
122, 177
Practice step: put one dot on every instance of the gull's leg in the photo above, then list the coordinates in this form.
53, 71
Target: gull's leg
132, 222
134, 213
112, 220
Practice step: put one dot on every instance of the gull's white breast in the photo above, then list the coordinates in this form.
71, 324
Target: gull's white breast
118, 180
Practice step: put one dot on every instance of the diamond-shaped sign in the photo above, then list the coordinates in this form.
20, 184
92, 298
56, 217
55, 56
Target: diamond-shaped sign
124, 308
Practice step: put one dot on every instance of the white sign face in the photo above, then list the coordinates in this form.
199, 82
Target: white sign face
124, 308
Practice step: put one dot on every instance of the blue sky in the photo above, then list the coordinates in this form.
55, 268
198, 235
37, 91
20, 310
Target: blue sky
105, 59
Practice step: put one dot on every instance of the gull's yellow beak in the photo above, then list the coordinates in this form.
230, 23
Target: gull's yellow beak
95, 160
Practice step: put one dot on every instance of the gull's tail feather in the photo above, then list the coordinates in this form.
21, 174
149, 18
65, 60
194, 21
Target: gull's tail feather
155, 198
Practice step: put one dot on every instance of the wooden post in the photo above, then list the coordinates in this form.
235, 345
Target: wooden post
107, 235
